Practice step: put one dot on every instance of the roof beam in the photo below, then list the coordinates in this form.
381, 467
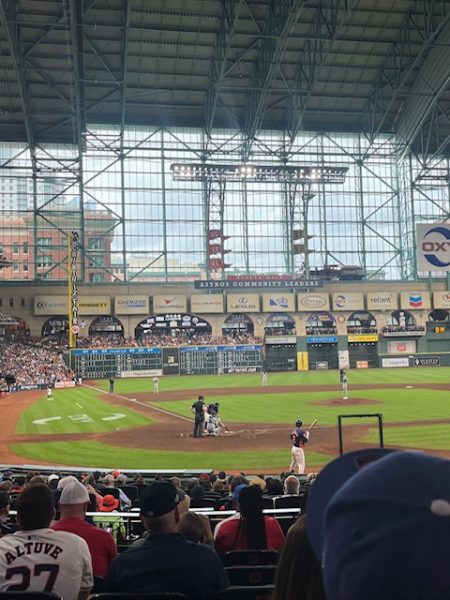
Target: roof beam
329, 23
433, 78
76, 29
283, 15
229, 16
8, 11
396, 71
124, 56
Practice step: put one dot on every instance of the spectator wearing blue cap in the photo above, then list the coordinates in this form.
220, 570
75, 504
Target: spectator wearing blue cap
166, 561
253, 530
385, 532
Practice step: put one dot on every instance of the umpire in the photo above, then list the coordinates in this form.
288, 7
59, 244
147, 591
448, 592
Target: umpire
198, 408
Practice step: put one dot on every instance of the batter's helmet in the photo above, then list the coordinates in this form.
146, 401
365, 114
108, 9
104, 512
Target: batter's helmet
298, 423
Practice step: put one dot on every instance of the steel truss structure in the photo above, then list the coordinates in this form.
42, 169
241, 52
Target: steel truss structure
98, 101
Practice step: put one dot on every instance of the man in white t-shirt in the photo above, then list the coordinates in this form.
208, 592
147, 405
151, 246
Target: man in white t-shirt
38, 559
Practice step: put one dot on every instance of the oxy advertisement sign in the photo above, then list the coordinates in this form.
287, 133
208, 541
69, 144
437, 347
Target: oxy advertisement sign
211, 303
278, 302
350, 301
243, 303
382, 301
441, 299
313, 302
433, 246
131, 305
168, 303
415, 300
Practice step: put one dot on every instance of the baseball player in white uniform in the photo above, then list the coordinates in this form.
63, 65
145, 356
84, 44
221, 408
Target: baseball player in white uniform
49, 393
264, 378
344, 386
39, 559
155, 385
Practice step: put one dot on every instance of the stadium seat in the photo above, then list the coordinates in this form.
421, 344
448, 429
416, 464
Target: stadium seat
250, 558
251, 575
28, 596
131, 491
290, 501
111, 491
267, 502
250, 592
203, 503
140, 596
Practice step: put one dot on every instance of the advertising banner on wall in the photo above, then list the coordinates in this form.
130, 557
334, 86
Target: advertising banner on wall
402, 361
243, 303
382, 301
131, 305
348, 301
362, 338
402, 347
171, 361
343, 359
169, 303
208, 303
302, 361
51, 305
278, 302
441, 299
415, 300
433, 246
94, 305
312, 302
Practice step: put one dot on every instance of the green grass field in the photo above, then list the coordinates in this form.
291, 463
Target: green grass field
80, 410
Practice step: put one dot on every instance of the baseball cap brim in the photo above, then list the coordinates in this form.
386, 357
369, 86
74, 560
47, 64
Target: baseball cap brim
327, 483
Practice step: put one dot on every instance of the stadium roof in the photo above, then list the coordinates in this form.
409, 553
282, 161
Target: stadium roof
346, 65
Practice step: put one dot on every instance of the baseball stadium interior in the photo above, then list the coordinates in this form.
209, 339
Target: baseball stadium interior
231, 216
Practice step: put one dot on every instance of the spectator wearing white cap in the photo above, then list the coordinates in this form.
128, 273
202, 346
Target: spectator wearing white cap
73, 505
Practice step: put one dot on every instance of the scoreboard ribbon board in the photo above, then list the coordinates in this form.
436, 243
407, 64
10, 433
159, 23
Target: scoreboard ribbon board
96, 363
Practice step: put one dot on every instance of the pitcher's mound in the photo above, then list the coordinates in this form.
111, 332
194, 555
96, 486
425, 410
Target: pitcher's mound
345, 402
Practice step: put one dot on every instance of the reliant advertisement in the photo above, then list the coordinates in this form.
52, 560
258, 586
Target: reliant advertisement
382, 301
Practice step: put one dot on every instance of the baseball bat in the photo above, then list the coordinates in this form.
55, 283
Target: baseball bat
312, 424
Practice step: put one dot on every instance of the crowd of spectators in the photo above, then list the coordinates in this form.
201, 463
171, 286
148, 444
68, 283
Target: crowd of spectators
106, 340
321, 330
186, 338
360, 329
358, 536
403, 328
32, 361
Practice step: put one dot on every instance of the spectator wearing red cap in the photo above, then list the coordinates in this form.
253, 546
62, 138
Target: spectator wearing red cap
113, 523
166, 562
73, 505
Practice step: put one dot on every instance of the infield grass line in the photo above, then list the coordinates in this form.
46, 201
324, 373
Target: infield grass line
135, 401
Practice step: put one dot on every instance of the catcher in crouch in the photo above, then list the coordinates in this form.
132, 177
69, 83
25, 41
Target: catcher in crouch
213, 423
299, 439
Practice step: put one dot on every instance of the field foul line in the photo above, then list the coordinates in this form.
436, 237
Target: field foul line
161, 410
78, 404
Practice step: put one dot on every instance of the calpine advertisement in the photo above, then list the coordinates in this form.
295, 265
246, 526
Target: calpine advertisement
207, 303
278, 302
131, 305
169, 303
243, 303
312, 302
433, 247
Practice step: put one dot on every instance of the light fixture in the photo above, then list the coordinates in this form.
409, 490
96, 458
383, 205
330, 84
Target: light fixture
258, 173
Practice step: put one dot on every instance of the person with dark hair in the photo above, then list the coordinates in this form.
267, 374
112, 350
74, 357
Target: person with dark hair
38, 559
253, 530
298, 568
299, 438
198, 408
166, 561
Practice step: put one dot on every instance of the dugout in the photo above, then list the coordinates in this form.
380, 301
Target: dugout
362, 340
